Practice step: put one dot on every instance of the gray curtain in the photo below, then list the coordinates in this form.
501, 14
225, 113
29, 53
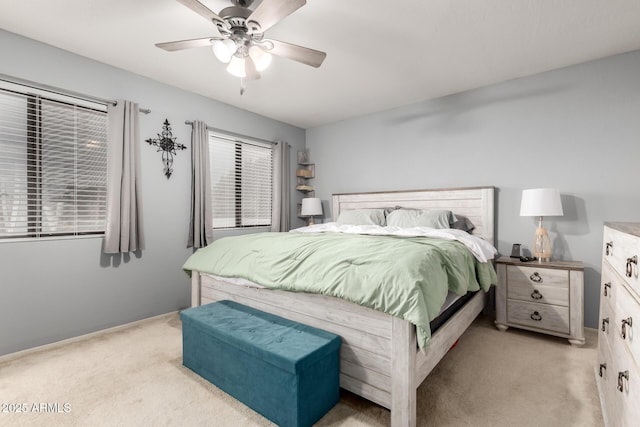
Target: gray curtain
281, 207
200, 224
124, 230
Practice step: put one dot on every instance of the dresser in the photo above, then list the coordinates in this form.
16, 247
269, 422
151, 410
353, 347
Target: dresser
617, 370
545, 297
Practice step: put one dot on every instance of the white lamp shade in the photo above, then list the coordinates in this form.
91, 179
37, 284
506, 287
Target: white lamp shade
541, 202
261, 58
236, 67
224, 49
311, 206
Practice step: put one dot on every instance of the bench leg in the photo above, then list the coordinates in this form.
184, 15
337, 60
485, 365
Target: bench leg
403, 379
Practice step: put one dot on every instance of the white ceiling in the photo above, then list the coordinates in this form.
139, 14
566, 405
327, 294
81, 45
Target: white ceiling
380, 53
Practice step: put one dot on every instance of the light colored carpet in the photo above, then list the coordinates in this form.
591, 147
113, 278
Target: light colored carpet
135, 377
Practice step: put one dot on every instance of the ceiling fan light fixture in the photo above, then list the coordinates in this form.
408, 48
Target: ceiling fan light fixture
236, 67
224, 49
261, 58
240, 42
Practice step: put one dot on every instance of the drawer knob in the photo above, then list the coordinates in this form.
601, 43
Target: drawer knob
536, 294
535, 277
536, 316
606, 286
621, 376
605, 323
630, 262
602, 366
626, 322
608, 248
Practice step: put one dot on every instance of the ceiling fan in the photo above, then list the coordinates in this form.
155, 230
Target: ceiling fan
241, 43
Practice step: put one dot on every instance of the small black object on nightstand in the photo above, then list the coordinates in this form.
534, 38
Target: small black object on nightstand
515, 250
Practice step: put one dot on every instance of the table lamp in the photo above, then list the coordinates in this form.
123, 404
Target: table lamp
311, 206
541, 202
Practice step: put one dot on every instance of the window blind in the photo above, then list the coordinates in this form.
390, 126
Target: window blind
53, 164
241, 182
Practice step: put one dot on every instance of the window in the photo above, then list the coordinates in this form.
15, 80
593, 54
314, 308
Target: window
241, 181
53, 164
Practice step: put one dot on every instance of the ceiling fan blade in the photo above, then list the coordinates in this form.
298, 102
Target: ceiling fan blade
201, 10
185, 44
297, 53
250, 69
270, 12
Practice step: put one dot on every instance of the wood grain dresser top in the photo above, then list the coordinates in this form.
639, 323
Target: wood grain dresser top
626, 227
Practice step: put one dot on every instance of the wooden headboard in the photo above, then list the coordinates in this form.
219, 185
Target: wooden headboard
475, 203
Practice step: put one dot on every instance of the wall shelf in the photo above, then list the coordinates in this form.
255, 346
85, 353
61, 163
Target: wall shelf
305, 171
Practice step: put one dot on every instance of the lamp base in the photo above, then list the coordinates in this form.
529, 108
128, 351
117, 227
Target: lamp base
310, 221
542, 248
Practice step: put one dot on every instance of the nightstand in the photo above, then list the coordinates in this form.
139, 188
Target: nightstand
546, 297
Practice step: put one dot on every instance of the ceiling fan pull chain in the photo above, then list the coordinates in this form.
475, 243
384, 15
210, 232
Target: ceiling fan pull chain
242, 86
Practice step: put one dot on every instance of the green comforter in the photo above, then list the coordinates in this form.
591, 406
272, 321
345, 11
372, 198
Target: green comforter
407, 277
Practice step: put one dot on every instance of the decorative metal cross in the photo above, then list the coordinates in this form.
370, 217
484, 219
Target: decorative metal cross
166, 143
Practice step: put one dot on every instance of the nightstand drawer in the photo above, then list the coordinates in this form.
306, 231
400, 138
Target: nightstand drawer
540, 316
538, 293
537, 276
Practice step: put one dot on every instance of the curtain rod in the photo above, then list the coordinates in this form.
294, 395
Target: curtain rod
142, 110
233, 134
59, 91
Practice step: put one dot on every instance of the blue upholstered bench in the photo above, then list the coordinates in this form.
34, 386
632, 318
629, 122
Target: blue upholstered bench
284, 370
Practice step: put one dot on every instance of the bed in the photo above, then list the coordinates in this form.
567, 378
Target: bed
380, 359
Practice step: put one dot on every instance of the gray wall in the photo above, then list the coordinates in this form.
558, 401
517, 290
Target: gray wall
576, 129
51, 290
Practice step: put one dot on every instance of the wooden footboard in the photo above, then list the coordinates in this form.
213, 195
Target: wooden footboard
379, 358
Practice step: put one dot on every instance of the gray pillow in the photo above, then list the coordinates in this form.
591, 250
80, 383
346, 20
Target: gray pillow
408, 218
362, 217
463, 223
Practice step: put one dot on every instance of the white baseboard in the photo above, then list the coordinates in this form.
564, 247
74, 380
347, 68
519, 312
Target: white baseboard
84, 337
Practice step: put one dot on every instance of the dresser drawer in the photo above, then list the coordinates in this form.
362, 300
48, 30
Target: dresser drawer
606, 378
626, 325
604, 357
627, 387
540, 316
606, 324
609, 284
622, 252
